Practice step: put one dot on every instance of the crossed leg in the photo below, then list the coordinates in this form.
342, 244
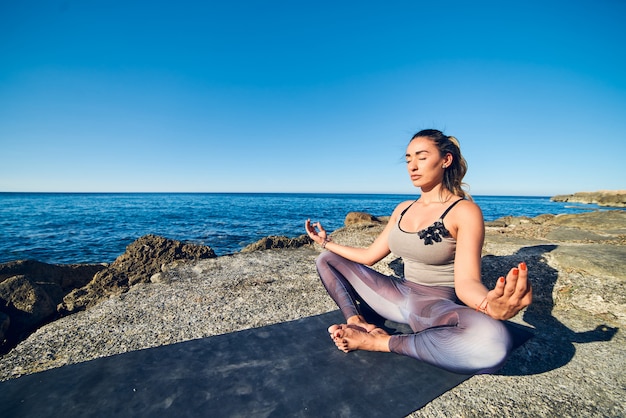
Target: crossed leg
446, 334
349, 338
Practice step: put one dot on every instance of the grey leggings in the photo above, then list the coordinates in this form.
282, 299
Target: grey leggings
446, 334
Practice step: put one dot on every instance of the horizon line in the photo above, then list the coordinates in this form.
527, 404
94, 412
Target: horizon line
268, 192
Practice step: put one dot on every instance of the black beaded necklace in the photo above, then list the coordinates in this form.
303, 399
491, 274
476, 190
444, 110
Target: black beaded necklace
436, 231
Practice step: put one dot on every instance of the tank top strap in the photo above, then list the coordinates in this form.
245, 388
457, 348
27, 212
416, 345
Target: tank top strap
407, 208
448, 210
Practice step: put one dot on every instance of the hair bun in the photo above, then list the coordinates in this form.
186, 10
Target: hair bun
454, 141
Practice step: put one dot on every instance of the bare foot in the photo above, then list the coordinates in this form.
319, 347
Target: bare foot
378, 331
358, 321
348, 337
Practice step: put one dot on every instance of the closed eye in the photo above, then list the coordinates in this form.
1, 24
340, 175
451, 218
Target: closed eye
408, 160
423, 154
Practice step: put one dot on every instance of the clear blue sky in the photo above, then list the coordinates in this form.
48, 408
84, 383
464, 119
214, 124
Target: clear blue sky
294, 96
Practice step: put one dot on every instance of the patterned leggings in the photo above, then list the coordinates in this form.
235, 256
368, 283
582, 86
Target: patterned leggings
446, 334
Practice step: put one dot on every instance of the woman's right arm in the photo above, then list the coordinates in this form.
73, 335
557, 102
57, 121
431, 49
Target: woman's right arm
378, 250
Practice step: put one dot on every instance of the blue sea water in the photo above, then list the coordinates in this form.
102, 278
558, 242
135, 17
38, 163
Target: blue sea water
97, 227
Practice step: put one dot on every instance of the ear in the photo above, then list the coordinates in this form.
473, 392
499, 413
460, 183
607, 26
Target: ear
447, 160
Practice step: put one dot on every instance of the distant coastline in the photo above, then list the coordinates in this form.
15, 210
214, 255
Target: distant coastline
612, 198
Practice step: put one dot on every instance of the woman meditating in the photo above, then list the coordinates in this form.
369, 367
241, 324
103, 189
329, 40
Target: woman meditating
456, 320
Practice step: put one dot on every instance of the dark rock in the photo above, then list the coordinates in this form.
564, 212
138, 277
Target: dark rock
360, 217
26, 303
30, 291
275, 242
143, 258
5, 322
68, 276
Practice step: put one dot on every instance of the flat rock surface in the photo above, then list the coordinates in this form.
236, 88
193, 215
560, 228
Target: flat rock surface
573, 367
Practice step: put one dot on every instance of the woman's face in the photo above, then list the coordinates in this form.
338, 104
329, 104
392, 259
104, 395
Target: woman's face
424, 163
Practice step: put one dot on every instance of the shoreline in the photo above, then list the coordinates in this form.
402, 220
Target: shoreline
577, 269
88, 234
76, 278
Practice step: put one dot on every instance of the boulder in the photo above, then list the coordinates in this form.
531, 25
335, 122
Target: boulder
26, 303
143, 258
360, 217
30, 291
276, 242
66, 276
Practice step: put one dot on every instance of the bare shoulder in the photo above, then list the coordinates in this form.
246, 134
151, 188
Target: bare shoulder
398, 210
402, 206
466, 215
468, 208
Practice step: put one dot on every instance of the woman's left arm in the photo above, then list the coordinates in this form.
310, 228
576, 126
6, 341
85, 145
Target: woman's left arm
510, 295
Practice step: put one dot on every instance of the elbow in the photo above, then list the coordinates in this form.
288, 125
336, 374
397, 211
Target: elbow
370, 261
373, 258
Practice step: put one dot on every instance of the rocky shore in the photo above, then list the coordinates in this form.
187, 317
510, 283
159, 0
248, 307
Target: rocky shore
162, 291
613, 198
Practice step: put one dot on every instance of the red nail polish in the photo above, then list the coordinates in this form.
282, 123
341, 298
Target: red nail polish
501, 279
515, 270
522, 266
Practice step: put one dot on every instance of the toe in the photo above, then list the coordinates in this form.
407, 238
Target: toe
333, 328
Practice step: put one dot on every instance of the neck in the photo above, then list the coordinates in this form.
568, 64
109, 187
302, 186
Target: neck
436, 195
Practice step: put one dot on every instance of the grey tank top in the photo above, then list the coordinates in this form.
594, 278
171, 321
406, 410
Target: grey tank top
428, 255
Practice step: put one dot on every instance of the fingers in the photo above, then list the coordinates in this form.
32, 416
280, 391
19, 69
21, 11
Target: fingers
499, 289
512, 294
517, 290
315, 234
517, 281
511, 281
523, 285
310, 226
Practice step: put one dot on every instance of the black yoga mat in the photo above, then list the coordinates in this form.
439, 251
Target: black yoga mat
288, 369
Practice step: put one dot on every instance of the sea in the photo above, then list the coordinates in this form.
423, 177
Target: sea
69, 228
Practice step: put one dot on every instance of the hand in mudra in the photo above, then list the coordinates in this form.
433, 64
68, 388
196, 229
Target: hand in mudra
315, 231
510, 295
